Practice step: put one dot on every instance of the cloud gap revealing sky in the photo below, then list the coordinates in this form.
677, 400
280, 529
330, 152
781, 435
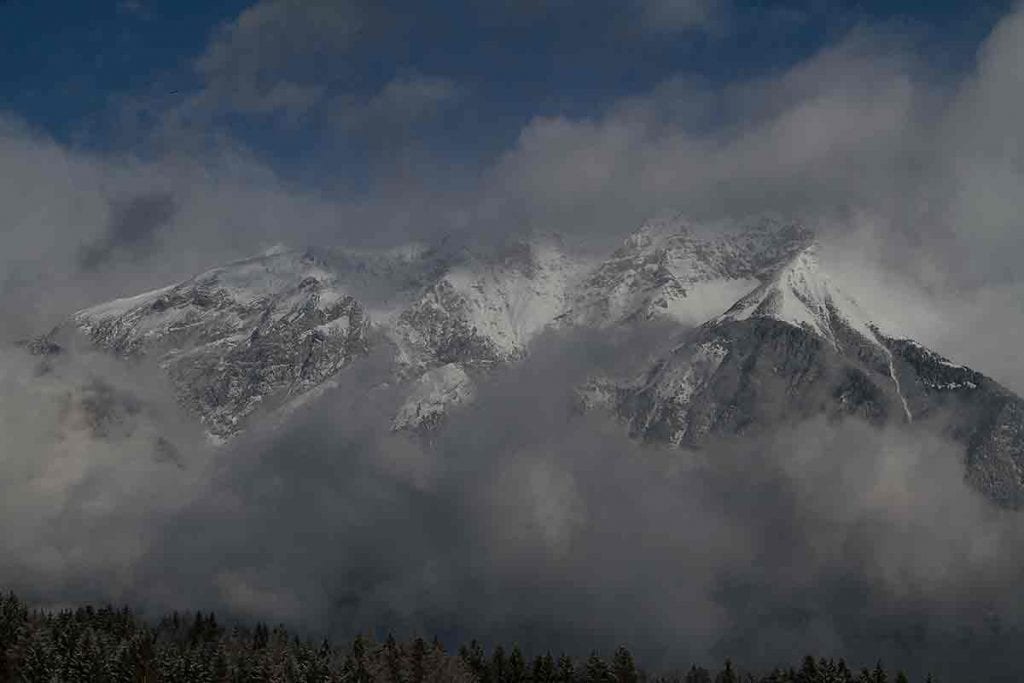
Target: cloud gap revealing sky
333, 70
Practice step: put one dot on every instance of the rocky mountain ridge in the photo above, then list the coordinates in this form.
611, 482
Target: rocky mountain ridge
766, 337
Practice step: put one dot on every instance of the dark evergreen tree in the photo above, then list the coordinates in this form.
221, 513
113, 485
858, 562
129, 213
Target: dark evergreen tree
566, 672
777, 675
727, 674
419, 661
476, 660
516, 666
596, 670
108, 644
392, 660
260, 636
698, 674
35, 657
355, 669
499, 665
13, 619
86, 660
808, 671
543, 669
623, 667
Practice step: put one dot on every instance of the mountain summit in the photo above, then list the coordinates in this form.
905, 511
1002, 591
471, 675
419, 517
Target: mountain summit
765, 337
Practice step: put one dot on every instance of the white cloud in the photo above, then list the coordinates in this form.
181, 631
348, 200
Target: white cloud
982, 146
832, 132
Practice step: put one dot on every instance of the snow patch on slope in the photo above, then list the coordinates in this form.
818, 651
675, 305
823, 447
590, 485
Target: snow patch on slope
667, 270
510, 304
802, 295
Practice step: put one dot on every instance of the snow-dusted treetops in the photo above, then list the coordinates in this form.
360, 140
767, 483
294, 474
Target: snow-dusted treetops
764, 336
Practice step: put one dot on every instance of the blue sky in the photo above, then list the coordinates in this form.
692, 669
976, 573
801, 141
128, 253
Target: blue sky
304, 122
73, 68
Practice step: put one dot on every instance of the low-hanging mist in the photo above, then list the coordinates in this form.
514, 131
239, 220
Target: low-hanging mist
524, 520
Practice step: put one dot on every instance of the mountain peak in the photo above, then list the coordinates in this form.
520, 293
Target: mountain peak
266, 333
802, 294
653, 232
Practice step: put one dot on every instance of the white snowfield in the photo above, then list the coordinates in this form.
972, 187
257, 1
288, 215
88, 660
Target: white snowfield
450, 315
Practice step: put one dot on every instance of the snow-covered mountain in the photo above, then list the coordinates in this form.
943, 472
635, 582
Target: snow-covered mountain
796, 347
765, 337
666, 269
265, 331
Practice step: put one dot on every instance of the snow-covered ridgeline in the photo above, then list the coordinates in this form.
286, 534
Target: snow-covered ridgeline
458, 310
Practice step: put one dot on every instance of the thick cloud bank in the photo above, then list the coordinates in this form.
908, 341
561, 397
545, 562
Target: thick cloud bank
523, 520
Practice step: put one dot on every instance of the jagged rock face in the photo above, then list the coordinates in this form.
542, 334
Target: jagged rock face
664, 270
750, 376
995, 449
793, 347
485, 310
264, 331
985, 416
775, 341
796, 347
737, 377
281, 357
439, 327
234, 338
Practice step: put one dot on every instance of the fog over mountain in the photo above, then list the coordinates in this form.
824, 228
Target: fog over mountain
714, 367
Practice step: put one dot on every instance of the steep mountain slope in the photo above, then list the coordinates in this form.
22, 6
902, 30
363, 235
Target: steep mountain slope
485, 308
797, 347
266, 330
775, 340
985, 416
481, 310
666, 269
257, 331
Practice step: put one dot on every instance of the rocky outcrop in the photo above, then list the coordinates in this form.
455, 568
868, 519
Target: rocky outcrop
770, 339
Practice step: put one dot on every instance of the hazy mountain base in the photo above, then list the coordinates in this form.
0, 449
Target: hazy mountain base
274, 330
825, 536
86, 645
751, 376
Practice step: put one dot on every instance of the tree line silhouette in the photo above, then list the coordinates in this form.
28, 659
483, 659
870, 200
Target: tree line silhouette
106, 644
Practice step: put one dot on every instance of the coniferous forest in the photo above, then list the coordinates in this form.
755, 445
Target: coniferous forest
109, 644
